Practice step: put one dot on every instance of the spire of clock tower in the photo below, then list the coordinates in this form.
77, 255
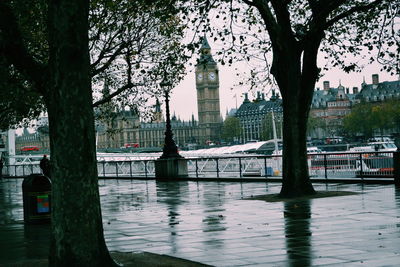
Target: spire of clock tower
205, 54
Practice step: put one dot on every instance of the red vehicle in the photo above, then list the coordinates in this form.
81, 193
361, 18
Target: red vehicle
29, 148
130, 145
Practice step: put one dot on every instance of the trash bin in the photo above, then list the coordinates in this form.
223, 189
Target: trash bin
36, 192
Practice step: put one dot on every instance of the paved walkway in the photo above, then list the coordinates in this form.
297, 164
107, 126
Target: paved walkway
209, 222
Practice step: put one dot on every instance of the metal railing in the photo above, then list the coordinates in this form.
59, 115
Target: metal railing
322, 166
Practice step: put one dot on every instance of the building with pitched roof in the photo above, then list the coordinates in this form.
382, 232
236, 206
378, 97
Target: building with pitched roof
331, 105
379, 91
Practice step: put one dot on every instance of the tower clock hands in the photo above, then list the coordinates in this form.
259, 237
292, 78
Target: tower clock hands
211, 76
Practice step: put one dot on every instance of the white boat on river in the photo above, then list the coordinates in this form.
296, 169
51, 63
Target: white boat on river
375, 147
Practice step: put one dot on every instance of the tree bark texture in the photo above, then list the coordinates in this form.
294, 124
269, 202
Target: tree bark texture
295, 69
287, 72
295, 181
77, 230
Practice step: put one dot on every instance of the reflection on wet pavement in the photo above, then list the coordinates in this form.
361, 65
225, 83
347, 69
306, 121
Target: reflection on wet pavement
210, 222
297, 216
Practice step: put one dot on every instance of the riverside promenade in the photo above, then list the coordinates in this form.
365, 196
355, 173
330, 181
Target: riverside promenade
218, 223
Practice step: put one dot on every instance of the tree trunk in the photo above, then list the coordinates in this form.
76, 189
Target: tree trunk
295, 181
296, 96
77, 230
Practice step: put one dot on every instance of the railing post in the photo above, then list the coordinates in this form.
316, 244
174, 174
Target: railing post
240, 167
197, 169
361, 167
326, 167
130, 168
116, 168
265, 167
396, 167
104, 169
217, 167
145, 168
23, 170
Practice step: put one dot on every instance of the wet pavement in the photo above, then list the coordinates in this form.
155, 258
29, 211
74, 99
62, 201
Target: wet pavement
210, 222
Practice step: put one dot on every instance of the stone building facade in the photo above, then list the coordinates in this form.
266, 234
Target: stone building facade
256, 117
331, 105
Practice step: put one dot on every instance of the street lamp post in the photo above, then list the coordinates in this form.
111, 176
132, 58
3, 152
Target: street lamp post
170, 165
170, 150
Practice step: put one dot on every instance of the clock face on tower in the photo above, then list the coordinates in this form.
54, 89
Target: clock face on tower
199, 76
212, 76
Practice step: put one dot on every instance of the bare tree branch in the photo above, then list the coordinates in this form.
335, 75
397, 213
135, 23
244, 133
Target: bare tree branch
267, 16
115, 93
282, 17
110, 60
355, 9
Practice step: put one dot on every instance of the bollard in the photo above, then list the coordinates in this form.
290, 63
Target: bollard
396, 166
36, 192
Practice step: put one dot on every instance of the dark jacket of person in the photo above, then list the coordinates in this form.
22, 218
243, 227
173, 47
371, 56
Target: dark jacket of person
45, 166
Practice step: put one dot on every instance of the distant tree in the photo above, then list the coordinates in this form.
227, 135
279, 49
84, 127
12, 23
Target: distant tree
392, 110
379, 119
366, 118
231, 129
314, 123
267, 131
358, 120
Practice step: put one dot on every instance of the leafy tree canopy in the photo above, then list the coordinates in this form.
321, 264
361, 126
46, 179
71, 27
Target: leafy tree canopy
352, 33
366, 118
231, 129
314, 123
17, 98
133, 46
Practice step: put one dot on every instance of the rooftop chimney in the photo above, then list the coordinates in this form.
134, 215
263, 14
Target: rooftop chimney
355, 90
246, 98
326, 85
375, 78
347, 90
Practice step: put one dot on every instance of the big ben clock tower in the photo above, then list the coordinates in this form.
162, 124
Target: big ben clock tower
207, 85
